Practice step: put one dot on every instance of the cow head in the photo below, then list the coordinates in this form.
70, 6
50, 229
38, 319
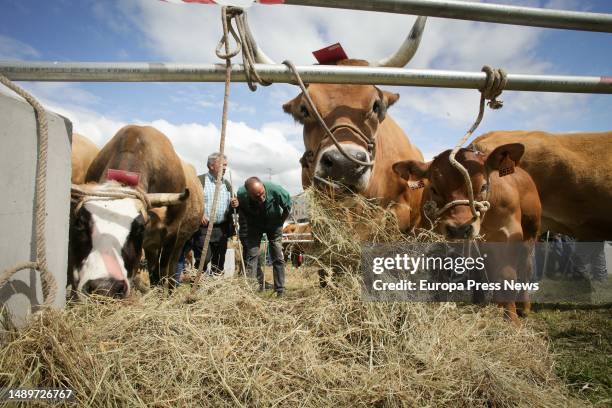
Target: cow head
353, 114
106, 238
445, 184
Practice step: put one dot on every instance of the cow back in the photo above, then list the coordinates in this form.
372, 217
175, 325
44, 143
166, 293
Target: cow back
573, 175
83, 153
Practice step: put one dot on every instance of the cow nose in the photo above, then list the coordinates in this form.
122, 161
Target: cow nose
334, 165
459, 232
109, 287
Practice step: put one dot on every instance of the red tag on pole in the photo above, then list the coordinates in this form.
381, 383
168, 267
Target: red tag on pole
330, 55
128, 178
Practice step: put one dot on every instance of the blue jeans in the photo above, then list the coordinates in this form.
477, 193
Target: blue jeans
275, 235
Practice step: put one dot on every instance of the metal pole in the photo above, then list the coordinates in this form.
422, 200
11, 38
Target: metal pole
176, 72
492, 13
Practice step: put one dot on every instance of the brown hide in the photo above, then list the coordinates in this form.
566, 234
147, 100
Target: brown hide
296, 248
573, 174
147, 151
364, 107
514, 215
83, 153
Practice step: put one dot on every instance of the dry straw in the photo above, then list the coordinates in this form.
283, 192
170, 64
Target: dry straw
236, 347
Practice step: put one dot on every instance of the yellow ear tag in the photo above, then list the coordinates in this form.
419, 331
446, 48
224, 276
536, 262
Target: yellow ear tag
506, 166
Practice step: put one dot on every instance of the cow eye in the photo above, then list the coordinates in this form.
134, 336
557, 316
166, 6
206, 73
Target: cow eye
433, 191
376, 107
304, 111
484, 188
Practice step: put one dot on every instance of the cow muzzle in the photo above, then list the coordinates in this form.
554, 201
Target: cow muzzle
336, 169
462, 231
108, 287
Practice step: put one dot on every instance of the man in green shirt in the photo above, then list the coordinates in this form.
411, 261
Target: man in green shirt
265, 206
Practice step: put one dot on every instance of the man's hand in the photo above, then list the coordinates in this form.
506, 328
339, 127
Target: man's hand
204, 221
285, 215
234, 202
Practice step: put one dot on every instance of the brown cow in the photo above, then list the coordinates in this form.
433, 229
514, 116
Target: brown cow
296, 250
357, 117
106, 236
573, 173
513, 216
361, 107
160, 227
83, 153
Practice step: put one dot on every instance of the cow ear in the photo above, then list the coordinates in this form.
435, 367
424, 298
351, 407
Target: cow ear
413, 172
390, 98
385, 99
504, 158
297, 108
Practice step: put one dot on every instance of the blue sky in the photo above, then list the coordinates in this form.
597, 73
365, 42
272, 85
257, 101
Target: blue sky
260, 135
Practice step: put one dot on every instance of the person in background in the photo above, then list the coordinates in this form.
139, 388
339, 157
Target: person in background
222, 223
243, 234
264, 206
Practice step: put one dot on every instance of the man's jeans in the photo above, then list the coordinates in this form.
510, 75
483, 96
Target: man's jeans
275, 235
245, 257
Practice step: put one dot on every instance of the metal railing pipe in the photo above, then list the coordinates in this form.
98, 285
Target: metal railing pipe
176, 72
492, 13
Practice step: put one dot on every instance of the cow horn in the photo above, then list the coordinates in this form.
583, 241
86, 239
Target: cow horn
410, 46
260, 56
162, 199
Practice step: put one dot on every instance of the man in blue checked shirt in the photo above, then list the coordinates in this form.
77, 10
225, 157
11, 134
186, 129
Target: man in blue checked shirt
223, 228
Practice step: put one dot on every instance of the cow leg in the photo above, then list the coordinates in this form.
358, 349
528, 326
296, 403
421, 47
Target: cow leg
152, 256
510, 313
177, 253
166, 267
524, 305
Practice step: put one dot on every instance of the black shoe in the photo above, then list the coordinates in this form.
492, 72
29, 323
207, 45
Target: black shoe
266, 286
280, 293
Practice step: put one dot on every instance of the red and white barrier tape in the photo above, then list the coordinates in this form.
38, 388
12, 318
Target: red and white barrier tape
235, 3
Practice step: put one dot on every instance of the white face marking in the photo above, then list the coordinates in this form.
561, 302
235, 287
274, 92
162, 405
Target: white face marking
112, 221
364, 179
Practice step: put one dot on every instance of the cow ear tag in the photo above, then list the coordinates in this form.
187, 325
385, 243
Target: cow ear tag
506, 166
128, 178
415, 185
330, 55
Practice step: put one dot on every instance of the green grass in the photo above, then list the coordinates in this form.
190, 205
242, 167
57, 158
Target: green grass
581, 341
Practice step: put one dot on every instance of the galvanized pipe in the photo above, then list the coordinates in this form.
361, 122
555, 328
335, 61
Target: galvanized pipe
162, 72
492, 13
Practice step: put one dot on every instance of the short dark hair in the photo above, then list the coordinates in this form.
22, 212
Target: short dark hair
250, 181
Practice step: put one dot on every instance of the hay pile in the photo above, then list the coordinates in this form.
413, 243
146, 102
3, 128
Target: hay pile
234, 346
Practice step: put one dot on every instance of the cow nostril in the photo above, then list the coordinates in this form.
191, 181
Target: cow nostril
461, 231
327, 161
120, 289
86, 288
361, 156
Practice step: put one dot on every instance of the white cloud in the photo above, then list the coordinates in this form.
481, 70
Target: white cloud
11, 49
250, 151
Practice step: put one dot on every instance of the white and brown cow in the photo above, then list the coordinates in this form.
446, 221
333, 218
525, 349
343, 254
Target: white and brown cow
107, 236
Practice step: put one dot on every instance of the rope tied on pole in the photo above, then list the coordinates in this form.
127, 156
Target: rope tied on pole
49, 285
494, 84
244, 43
227, 13
85, 194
